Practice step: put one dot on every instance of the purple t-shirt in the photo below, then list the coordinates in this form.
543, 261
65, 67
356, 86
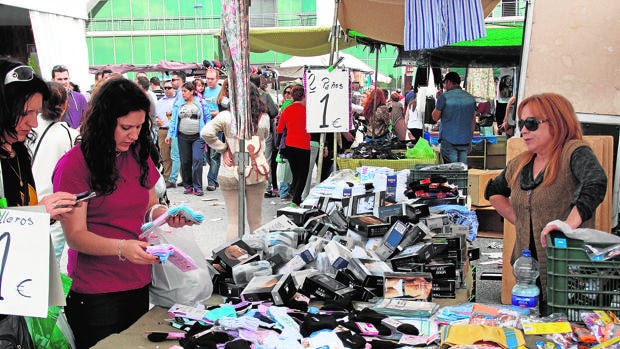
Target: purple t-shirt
118, 215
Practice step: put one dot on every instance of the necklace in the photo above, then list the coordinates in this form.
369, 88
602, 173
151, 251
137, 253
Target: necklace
17, 172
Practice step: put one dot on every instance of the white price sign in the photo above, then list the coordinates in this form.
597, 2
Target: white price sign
25, 267
328, 101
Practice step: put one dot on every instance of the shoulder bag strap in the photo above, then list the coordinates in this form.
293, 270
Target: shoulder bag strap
36, 150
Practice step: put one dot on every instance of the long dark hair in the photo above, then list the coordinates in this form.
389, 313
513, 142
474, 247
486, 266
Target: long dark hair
116, 98
257, 107
13, 97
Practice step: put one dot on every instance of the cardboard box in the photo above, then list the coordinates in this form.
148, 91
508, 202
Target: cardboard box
489, 220
476, 183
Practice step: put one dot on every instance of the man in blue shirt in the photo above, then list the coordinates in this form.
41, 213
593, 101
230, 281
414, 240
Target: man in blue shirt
456, 109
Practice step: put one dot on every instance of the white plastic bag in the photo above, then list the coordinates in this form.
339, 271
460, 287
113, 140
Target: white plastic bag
170, 285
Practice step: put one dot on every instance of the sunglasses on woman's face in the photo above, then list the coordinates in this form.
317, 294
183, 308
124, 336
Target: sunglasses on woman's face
531, 123
287, 92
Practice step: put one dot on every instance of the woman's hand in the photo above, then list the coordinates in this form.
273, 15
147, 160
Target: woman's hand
228, 158
134, 251
178, 221
543, 234
167, 140
59, 204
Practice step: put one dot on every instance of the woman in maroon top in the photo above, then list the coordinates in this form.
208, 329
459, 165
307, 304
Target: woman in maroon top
297, 142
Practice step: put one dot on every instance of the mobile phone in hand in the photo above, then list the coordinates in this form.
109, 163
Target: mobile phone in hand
84, 196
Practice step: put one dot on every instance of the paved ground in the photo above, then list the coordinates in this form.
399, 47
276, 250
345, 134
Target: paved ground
212, 233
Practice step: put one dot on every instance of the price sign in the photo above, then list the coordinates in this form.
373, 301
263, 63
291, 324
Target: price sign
328, 102
24, 263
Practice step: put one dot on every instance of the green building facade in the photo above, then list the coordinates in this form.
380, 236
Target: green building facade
148, 31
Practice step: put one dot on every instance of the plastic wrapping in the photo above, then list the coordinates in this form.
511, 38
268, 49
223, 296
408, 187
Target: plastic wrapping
171, 285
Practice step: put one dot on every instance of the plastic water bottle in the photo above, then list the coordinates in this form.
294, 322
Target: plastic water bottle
525, 293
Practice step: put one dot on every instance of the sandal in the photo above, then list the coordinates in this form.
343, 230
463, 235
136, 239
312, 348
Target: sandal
211, 187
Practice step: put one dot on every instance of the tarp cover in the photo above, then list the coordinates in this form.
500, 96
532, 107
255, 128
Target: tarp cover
295, 41
162, 66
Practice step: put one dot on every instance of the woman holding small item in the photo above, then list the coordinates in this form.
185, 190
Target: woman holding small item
110, 267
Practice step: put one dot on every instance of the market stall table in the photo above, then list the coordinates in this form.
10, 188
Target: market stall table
155, 321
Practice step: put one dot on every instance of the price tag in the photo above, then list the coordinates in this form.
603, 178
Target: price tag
328, 101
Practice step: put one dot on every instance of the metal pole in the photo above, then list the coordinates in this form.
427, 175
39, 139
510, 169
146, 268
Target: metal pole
374, 100
332, 52
241, 159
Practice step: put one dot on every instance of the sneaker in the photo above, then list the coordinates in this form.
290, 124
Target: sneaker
289, 197
199, 192
170, 185
269, 194
211, 187
189, 190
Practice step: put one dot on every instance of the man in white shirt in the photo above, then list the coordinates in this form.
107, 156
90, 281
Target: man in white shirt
163, 113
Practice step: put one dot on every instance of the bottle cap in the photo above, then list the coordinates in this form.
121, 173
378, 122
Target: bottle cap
527, 253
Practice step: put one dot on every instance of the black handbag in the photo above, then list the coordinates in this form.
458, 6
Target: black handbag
428, 110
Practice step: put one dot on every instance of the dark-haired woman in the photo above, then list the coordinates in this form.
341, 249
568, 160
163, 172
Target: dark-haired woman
22, 94
50, 141
109, 265
255, 186
186, 125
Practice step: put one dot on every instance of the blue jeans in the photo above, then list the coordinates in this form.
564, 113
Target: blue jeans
284, 189
454, 153
176, 160
213, 160
191, 149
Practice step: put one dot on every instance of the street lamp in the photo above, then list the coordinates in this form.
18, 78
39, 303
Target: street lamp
202, 50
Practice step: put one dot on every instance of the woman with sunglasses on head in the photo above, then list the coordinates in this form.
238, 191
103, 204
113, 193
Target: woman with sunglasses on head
22, 94
558, 177
108, 262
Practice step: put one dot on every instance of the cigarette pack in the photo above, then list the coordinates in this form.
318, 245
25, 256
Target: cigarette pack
325, 287
369, 272
408, 285
368, 226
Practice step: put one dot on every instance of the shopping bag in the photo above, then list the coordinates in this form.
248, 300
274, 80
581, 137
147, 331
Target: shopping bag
170, 285
421, 150
52, 331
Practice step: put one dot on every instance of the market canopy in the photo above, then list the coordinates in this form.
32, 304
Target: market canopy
383, 20
295, 65
295, 41
500, 48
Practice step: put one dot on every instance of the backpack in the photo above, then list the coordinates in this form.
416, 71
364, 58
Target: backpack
258, 169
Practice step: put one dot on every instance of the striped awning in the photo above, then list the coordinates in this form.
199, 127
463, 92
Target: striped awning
434, 23
384, 20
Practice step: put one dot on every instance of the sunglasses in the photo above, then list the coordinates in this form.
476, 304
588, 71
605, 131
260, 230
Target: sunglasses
287, 92
19, 73
168, 87
531, 123
174, 79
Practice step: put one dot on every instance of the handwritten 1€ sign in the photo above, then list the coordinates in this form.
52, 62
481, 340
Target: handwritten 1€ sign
24, 262
328, 102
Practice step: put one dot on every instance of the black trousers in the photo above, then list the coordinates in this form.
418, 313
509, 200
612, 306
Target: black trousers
93, 317
299, 160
